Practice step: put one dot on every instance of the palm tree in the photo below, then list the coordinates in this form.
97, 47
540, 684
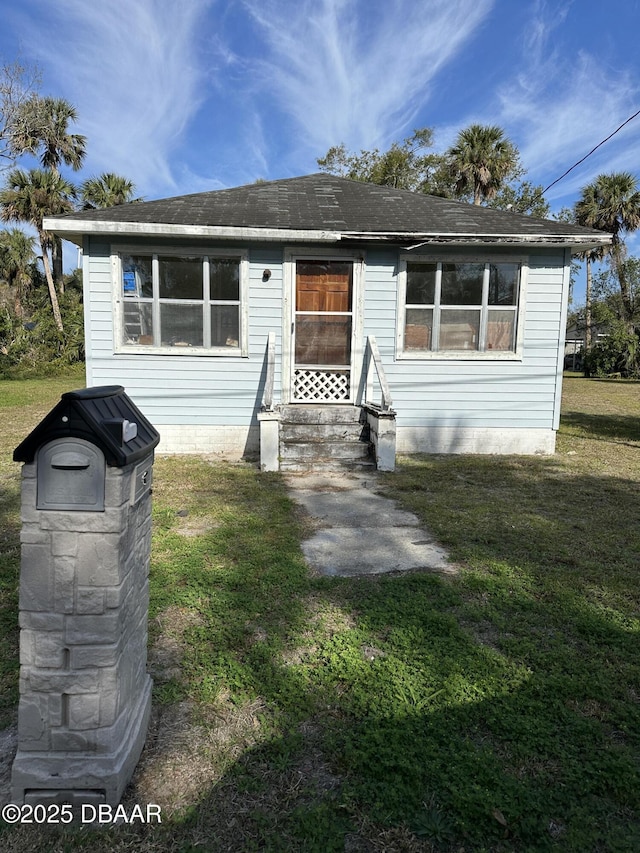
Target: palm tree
481, 160
612, 203
590, 256
45, 131
16, 265
29, 197
106, 191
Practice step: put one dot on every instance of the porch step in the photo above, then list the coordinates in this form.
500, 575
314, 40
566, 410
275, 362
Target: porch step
324, 432
315, 437
313, 413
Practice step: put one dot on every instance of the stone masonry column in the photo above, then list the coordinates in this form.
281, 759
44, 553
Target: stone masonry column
85, 695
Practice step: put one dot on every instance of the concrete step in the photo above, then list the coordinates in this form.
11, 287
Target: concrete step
311, 413
297, 466
324, 432
317, 437
338, 450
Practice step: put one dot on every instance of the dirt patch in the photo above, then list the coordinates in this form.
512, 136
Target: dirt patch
324, 612
195, 526
165, 655
187, 753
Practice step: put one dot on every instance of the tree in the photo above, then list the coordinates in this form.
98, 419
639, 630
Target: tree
612, 203
481, 160
18, 86
408, 166
521, 197
17, 258
606, 293
106, 191
44, 131
618, 351
29, 197
404, 165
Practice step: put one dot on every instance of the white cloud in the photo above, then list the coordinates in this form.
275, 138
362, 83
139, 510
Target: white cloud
128, 68
562, 116
559, 107
354, 73
541, 25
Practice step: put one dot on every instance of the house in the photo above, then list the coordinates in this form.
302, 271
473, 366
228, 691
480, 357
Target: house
276, 315
575, 341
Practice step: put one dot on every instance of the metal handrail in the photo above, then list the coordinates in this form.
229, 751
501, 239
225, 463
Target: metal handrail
374, 360
267, 397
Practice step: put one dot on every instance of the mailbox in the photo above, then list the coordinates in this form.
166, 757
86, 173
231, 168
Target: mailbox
70, 475
104, 417
85, 694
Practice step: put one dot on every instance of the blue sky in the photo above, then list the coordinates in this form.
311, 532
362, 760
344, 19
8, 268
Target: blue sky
204, 94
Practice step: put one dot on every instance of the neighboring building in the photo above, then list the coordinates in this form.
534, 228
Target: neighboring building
465, 305
575, 342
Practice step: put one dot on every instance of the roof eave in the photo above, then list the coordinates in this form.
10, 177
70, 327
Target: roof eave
417, 240
75, 230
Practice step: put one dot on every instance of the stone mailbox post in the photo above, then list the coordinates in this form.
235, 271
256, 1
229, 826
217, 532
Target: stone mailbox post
85, 694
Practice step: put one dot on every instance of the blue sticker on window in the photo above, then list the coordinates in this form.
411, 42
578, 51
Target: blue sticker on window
129, 282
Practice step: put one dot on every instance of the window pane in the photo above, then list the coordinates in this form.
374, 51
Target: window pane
503, 284
224, 278
225, 326
137, 276
462, 284
459, 330
418, 328
180, 278
323, 286
323, 340
338, 270
138, 323
181, 325
421, 284
501, 329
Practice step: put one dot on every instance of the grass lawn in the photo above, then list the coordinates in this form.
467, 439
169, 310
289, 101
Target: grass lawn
493, 710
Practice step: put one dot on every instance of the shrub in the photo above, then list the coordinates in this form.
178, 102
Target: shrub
37, 348
619, 353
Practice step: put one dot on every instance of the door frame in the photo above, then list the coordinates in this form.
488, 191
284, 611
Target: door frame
291, 256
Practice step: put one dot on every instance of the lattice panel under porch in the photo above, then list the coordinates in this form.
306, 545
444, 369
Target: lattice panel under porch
318, 386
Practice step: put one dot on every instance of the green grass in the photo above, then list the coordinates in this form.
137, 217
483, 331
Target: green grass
494, 710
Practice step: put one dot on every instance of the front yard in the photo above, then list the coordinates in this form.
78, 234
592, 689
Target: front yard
495, 710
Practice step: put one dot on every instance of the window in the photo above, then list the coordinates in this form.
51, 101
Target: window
459, 307
182, 302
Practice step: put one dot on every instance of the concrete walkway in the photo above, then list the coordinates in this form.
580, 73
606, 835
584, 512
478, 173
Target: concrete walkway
360, 532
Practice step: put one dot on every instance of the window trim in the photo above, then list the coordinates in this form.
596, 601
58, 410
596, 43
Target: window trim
461, 355
154, 252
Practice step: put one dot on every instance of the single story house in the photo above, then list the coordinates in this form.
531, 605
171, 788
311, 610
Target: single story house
316, 301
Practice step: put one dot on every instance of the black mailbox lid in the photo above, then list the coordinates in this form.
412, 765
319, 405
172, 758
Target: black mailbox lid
94, 414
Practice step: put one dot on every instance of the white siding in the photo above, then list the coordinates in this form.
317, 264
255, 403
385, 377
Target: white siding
184, 390
210, 392
481, 393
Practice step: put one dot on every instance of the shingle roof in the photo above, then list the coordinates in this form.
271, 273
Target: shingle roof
321, 204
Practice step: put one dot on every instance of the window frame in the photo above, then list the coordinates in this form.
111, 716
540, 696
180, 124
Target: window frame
118, 252
484, 307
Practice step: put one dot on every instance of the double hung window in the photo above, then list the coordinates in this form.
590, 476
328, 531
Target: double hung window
173, 301
459, 307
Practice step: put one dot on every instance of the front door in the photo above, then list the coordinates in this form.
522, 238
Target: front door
322, 332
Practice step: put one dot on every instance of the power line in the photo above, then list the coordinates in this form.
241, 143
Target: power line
564, 174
